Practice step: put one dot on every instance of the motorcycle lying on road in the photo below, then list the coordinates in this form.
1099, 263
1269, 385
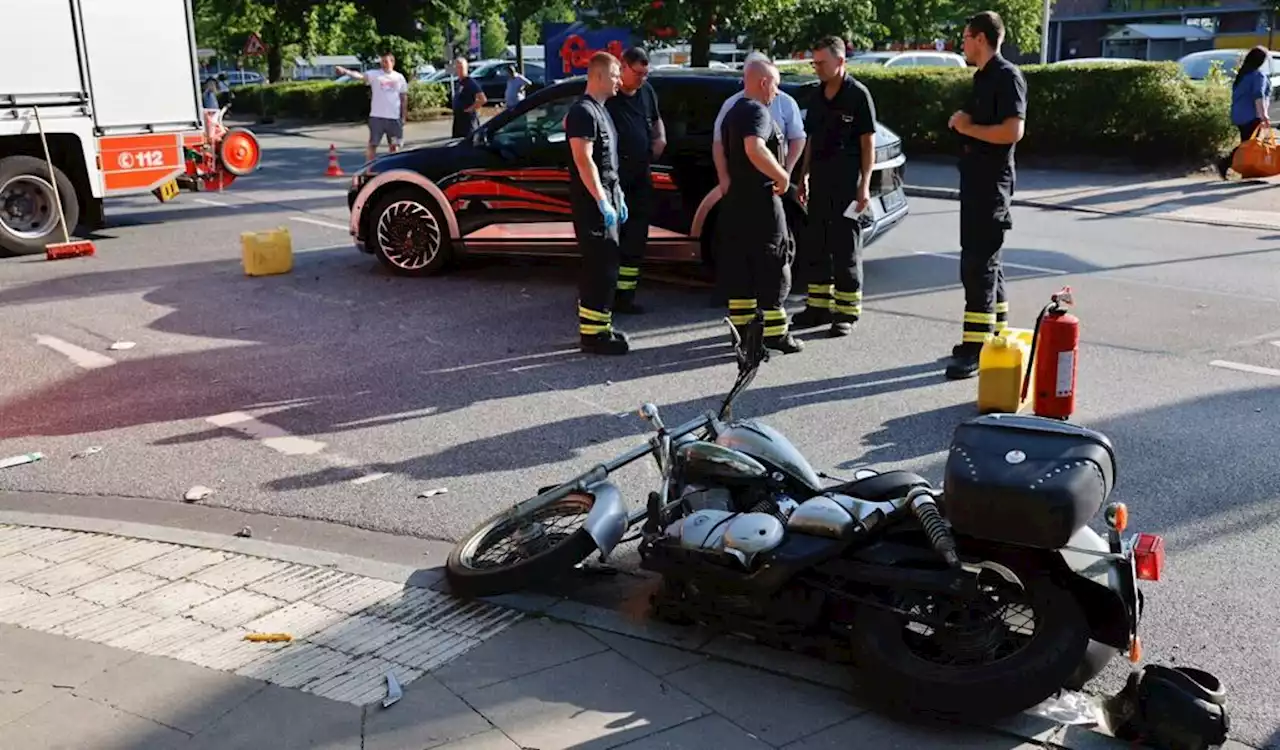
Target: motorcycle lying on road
980, 600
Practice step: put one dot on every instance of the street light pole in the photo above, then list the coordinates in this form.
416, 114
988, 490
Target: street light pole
1044, 33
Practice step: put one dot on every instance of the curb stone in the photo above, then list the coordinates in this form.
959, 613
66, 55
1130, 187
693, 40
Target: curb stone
1024, 727
953, 194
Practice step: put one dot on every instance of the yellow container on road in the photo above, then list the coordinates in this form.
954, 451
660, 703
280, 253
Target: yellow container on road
267, 253
1002, 365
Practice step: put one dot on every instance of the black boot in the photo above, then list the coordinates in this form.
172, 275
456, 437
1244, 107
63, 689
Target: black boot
841, 325
811, 317
964, 361
624, 303
786, 343
609, 343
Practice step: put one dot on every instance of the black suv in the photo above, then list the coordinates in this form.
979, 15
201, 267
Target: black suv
506, 188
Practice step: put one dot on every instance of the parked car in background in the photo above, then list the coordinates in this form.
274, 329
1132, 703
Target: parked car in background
917, 58
505, 189
492, 75
1097, 61
1198, 64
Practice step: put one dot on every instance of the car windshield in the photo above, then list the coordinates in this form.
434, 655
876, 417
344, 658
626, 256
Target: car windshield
1197, 68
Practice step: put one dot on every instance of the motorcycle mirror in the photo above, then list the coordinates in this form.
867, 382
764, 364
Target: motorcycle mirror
649, 413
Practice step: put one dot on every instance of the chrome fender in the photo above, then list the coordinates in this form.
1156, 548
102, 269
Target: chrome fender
607, 521
1100, 589
1095, 568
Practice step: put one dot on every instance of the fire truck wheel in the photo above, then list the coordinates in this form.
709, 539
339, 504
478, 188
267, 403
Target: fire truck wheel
28, 216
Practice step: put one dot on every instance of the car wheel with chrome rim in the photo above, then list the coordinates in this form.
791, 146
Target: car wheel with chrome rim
408, 233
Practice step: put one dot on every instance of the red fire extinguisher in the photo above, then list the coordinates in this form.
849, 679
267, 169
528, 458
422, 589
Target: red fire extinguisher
1053, 358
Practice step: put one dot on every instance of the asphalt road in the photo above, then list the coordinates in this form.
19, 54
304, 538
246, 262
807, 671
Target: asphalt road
339, 392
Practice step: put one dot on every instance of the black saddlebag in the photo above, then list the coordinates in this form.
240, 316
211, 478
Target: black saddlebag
1026, 480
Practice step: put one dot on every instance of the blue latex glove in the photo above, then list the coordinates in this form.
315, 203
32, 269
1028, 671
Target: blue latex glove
610, 216
622, 209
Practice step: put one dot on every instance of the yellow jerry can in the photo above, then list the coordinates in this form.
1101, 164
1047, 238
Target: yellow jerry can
267, 253
1002, 365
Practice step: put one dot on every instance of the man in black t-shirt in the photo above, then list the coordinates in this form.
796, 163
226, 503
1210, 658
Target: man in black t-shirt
598, 205
835, 175
467, 101
757, 250
991, 122
641, 139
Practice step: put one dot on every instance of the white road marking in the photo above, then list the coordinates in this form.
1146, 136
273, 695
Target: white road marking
208, 202
79, 356
1256, 370
320, 222
282, 442
1007, 264
269, 435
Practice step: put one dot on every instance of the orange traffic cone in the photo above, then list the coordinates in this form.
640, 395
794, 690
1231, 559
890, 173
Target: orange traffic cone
334, 170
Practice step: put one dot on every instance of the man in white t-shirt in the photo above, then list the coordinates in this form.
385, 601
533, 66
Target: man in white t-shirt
389, 105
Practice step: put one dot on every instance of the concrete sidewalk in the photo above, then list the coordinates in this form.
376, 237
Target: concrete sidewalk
1197, 198
116, 635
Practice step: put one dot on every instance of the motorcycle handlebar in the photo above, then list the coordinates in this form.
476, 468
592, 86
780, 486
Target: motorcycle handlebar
600, 472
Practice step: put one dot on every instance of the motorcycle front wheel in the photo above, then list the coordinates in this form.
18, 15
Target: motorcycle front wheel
506, 553
994, 656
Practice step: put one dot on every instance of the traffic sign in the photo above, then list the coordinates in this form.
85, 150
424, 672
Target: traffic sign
253, 46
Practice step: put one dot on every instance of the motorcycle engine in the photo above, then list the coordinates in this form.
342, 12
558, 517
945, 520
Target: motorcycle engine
739, 537
752, 500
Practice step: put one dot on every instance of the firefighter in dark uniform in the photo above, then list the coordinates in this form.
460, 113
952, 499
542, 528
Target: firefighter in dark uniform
757, 248
835, 175
598, 205
991, 122
641, 139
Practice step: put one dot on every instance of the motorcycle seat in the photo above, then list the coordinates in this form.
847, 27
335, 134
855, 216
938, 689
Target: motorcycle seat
882, 487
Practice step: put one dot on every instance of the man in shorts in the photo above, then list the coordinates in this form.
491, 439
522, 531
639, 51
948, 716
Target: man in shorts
389, 106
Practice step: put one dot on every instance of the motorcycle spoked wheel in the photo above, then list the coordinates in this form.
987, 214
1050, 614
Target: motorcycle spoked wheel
506, 554
975, 667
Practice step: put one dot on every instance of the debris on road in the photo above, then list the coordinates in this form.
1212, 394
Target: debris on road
394, 692
88, 451
28, 458
1069, 707
245, 533
434, 492
197, 493
122, 345
268, 637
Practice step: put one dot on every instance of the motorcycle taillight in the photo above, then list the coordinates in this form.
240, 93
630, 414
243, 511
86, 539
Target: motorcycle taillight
1148, 557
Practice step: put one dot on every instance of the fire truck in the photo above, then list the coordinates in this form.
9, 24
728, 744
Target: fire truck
116, 87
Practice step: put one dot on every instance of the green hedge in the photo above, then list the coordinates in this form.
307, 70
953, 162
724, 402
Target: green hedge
1146, 112
329, 101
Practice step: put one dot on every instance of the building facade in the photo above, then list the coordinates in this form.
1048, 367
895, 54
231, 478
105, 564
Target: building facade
1097, 28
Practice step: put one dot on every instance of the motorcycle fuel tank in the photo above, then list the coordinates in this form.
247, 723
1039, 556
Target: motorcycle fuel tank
763, 442
702, 461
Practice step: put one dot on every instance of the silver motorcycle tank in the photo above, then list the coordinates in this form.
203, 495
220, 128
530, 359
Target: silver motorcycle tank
703, 461
837, 516
824, 517
762, 441
743, 536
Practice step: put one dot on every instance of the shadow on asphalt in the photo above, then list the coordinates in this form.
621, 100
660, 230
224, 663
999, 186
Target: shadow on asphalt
1199, 194
357, 348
